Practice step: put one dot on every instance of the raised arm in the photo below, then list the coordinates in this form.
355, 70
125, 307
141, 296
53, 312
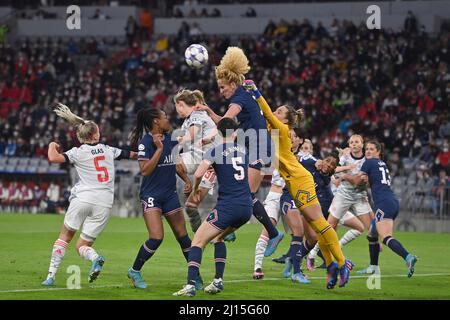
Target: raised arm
232, 112
148, 166
267, 112
53, 153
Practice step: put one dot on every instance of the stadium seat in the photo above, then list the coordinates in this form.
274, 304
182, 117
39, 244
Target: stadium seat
3, 162
34, 162
13, 161
23, 161
10, 168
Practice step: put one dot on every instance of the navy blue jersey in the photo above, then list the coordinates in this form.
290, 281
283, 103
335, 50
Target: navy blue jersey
250, 116
321, 182
162, 180
230, 162
380, 181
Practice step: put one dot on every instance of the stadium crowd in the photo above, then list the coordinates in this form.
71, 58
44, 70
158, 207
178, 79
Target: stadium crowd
394, 86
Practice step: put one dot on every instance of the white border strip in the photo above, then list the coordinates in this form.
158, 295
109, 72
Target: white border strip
58, 289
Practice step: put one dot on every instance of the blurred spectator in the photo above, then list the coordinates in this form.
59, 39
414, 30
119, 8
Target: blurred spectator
184, 31
193, 13
441, 192
395, 164
99, 15
25, 198
216, 13
38, 197
195, 30
204, 13
146, 21
162, 44
250, 13
13, 197
410, 24
131, 30
444, 128
269, 29
443, 158
4, 196
3, 32
52, 197
178, 13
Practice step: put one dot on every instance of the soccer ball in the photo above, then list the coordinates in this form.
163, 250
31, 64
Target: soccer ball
196, 56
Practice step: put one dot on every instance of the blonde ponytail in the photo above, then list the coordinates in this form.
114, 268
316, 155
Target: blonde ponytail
86, 129
64, 112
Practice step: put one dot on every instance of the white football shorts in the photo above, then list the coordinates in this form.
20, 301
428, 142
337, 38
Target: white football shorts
91, 218
340, 206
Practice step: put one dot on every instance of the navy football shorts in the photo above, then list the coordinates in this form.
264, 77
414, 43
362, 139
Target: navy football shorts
224, 216
168, 204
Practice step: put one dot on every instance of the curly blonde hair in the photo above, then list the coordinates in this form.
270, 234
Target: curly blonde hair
233, 66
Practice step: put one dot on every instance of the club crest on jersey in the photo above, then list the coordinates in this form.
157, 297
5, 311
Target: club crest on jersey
141, 147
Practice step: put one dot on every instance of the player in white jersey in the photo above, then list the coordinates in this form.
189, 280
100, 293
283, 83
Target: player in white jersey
91, 198
200, 134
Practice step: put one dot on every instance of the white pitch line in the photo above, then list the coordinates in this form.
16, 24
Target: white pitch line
233, 281
58, 289
351, 277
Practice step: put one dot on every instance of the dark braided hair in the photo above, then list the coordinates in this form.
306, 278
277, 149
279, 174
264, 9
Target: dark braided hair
144, 122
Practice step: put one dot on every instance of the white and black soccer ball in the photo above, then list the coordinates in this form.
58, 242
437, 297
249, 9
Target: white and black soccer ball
196, 56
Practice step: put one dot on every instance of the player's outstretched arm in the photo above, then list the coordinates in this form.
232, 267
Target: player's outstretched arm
53, 153
200, 172
181, 172
214, 116
357, 179
249, 85
148, 166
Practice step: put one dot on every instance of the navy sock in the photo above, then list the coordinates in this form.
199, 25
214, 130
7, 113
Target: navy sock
305, 248
295, 257
194, 261
146, 252
185, 244
395, 246
288, 253
374, 250
220, 257
260, 213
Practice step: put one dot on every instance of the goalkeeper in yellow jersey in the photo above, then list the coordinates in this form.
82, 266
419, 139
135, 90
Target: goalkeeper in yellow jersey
300, 184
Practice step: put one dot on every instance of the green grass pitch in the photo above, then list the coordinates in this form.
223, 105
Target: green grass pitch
26, 241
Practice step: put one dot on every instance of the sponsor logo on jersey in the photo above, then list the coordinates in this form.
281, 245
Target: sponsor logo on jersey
141, 147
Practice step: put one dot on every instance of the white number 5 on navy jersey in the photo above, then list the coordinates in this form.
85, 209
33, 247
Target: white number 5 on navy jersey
241, 173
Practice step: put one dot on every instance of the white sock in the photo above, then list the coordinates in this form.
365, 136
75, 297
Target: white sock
313, 253
349, 236
88, 253
261, 246
58, 252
